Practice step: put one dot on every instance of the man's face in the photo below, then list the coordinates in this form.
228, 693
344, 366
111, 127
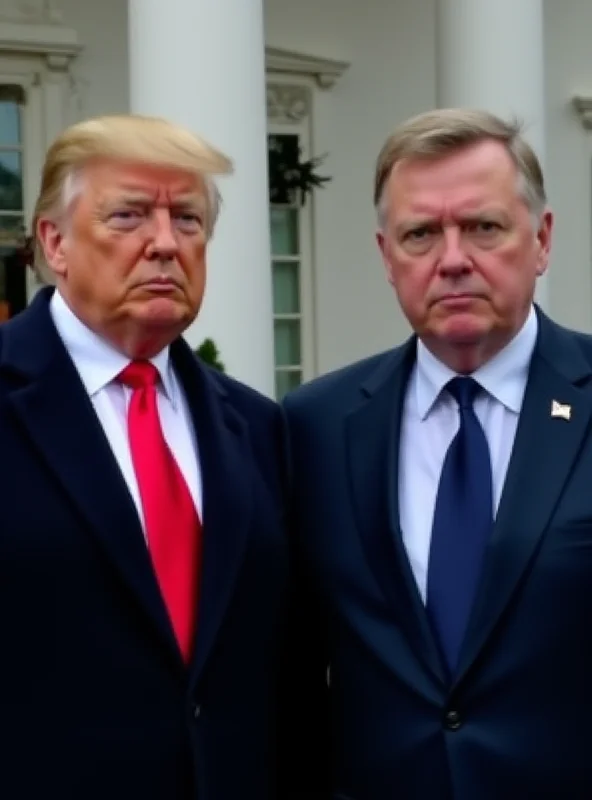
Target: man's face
130, 255
462, 251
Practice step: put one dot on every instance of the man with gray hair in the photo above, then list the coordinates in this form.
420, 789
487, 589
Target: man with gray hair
442, 492
144, 559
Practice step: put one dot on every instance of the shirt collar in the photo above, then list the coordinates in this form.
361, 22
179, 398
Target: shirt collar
98, 362
503, 377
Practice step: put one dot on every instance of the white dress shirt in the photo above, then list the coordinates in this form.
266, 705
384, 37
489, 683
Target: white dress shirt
431, 420
98, 365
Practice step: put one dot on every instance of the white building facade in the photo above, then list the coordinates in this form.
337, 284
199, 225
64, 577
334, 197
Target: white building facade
297, 288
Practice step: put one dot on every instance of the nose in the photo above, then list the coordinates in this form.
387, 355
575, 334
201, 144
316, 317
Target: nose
454, 261
162, 244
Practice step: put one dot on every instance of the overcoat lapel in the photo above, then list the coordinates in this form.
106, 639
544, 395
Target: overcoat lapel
52, 407
227, 466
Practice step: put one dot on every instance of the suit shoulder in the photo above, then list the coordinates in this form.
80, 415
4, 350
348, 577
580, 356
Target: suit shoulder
264, 420
339, 382
244, 398
582, 340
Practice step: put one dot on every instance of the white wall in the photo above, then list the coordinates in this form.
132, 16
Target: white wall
569, 160
101, 69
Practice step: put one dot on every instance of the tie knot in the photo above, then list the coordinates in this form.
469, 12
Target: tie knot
139, 375
463, 389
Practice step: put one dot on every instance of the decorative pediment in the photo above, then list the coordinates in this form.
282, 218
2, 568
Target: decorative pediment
287, 103
36, 27
583, 105
325, 71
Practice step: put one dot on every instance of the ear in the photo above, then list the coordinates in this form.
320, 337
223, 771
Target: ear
544, 238
52, 241
385, 250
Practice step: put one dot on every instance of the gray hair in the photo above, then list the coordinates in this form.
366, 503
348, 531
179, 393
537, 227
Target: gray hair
437, 133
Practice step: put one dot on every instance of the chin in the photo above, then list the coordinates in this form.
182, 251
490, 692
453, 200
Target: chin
463, 329
164, 311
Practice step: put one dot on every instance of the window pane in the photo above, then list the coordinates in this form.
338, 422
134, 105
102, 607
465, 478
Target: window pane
283, 160
284, 231
286, 381
287, 342
286, 288
11, 193
13, 280
9, 123
11, 231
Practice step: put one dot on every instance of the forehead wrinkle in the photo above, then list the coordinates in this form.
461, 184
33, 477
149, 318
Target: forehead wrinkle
470, 208
189, 200
181, 200
452, 177
424, 214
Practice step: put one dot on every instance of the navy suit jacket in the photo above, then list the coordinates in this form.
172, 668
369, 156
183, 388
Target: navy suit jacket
95, 701
515, 720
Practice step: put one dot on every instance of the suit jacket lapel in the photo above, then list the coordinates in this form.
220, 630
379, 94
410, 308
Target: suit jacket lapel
544, 452
372, 437
51, 405
227, 471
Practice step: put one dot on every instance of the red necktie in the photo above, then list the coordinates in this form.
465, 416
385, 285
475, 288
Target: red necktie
173, 528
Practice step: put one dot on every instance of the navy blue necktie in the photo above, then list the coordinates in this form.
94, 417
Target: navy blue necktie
463, 520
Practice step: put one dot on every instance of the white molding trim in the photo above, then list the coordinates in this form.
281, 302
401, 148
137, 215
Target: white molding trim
58, 44
583, 105
326, 71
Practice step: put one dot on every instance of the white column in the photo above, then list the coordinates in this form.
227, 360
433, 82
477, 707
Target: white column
201, 63
490, 56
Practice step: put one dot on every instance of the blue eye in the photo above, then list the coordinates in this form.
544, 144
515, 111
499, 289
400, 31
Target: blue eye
417, 235
484, 226
125, 214
189, 220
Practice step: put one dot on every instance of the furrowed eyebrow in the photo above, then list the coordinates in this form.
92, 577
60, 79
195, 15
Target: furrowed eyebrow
128, 200
187, 203
406, 227
493, 214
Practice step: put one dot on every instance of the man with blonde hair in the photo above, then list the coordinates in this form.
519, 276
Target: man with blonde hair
143, 553
442, 492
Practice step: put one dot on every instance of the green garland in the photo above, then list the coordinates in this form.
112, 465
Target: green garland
290, 179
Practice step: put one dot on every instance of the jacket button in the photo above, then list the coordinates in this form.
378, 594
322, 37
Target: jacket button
452, 720
196, 711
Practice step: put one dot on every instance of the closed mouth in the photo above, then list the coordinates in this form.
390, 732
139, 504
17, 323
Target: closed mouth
160, 287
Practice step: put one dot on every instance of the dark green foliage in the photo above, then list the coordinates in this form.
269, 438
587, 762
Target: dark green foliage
208, 353
290, 179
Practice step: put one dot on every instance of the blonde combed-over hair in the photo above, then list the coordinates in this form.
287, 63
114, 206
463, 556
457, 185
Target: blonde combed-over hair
127, 138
